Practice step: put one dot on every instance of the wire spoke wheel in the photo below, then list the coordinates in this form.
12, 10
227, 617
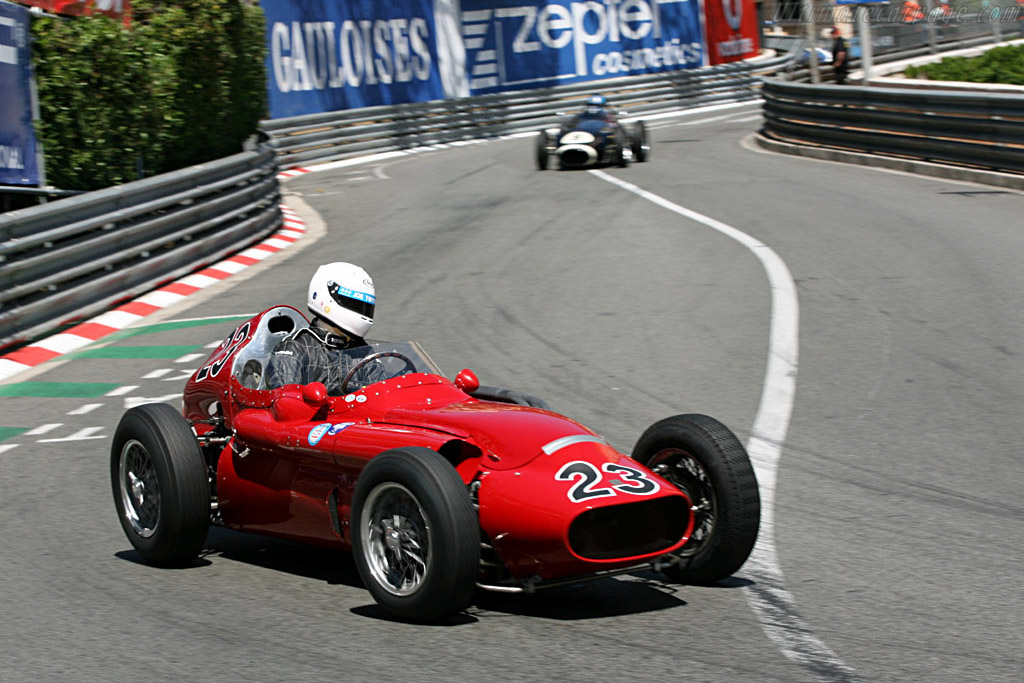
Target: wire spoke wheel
140, 489
686, 472
397, 535
160, 484
415, 535
704, 459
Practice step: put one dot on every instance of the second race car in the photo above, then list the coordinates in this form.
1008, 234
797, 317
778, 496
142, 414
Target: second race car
593, 137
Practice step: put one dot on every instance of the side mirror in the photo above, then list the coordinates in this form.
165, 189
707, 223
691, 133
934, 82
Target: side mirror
467, 381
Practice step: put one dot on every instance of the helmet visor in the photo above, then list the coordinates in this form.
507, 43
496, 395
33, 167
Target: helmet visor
360, 302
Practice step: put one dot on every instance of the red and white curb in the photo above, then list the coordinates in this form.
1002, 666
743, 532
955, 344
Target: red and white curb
86, 333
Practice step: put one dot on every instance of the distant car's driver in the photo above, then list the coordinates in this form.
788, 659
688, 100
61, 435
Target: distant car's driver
341, 298
597, 108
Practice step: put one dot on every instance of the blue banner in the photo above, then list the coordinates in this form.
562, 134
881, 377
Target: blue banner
18, 163
324, 55
513, 44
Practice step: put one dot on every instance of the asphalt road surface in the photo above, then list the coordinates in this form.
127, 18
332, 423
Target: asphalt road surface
869, 322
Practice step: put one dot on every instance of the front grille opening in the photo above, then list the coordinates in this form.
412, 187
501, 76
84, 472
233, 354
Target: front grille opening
574, 157
628, 530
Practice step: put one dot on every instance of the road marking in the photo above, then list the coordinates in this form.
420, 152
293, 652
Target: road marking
157, 374
80, 435
191, 357
121, 391
83, 409
133, 401
772, 604
43, 429
6, 447
180, 377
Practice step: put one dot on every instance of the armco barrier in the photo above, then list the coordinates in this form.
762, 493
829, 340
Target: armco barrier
63, 261
972, 129
329, 136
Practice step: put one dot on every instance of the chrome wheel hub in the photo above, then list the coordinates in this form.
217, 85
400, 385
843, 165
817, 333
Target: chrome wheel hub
396, 539
139, 488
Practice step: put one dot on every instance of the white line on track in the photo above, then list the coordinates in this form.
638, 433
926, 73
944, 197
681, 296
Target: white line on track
85, 409
767, 595
81, 435
43, 429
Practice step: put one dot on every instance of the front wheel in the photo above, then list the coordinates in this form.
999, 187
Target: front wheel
705, 460
160, 483
415, 535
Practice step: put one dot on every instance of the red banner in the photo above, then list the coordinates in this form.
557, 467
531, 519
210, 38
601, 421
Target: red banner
119, 9
731, 29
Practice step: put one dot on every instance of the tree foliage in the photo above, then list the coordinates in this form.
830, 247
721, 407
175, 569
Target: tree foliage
185, 84
999, 65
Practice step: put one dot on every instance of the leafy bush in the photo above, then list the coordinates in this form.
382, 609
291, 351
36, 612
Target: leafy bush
184, 85
999, 65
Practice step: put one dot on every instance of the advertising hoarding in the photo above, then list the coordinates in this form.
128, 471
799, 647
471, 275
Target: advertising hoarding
18, 161
514, 44
732, 30
112, 8
324, 55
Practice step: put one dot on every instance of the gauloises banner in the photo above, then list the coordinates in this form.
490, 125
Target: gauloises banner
325, 54
731, 30
115, 8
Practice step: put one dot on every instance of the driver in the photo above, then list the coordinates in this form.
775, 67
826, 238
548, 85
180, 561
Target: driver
597, 108
341, 298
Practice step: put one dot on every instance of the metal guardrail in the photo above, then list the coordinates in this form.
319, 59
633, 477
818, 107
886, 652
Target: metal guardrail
340, 134
67, 260
972, 129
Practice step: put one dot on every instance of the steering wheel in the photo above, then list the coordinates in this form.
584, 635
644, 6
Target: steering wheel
372, 357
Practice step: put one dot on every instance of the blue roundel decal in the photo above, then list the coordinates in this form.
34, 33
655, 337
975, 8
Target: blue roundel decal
317, 433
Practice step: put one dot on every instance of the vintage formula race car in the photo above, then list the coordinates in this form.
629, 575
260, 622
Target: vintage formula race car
438, 487
593, 137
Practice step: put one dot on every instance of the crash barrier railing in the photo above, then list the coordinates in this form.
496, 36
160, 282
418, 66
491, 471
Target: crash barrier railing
982, 130
66, 260
340, 134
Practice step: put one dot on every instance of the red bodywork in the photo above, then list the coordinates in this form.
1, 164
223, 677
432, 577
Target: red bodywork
554, 500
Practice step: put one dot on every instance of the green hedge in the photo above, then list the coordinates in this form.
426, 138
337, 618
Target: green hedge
999, 65
185, 84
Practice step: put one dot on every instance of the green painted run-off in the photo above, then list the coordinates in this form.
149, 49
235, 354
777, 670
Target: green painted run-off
57, 389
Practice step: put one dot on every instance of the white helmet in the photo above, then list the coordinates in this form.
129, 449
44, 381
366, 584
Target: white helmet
343, 294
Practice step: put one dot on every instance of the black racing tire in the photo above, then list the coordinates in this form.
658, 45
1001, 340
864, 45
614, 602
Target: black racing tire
160, 483
415, 535
621, 141
541, 151
641, 147
702, 457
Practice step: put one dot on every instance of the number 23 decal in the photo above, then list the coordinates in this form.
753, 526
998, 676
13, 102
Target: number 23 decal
590, 481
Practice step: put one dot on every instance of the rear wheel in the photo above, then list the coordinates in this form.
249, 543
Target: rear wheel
160, 484
415, 535
705, 460
641, 147
621, 142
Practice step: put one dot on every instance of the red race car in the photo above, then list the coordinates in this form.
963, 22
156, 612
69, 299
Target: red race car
438, 487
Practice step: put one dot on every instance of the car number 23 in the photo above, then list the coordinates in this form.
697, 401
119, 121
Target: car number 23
610, 480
